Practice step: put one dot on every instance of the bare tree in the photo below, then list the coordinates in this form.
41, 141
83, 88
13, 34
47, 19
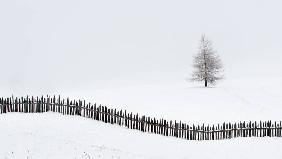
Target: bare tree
207, 65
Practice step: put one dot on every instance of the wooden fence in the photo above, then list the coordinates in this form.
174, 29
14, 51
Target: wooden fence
138, 122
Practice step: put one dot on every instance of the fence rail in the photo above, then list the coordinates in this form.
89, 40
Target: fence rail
139, 122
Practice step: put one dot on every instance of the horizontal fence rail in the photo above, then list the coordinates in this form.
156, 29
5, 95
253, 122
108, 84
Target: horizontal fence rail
139, 122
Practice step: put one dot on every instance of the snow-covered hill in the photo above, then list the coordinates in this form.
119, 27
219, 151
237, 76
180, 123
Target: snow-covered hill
51, 135
136, 55
230, 101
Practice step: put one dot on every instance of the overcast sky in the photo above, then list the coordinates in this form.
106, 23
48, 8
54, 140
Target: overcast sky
63, 44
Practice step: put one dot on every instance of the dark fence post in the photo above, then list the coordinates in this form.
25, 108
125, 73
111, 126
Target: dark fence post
143, 123
268, 128
135, 121
176, 129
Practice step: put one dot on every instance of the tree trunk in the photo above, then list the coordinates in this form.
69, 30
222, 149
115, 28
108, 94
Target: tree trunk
206, 83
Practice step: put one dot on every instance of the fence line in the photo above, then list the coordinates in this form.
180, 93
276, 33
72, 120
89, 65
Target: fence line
138, 122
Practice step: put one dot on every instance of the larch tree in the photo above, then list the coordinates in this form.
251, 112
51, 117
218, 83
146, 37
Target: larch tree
207, 65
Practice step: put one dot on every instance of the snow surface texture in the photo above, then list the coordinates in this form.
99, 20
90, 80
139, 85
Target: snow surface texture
251, 99
35, 136
230, 101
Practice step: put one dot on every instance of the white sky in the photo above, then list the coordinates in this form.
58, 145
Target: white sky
55, 45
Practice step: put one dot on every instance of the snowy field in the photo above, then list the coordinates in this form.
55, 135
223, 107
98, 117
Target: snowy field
117, 55
136, 55
51, 135
231, 101
252, 99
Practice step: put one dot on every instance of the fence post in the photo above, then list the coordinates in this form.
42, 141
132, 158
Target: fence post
95, 112
268, 128
47, 105
143, 123
1, 105
157, 126
176, 129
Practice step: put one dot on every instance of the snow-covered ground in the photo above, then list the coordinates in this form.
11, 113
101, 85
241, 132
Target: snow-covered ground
230, 101
51, 135
135, 55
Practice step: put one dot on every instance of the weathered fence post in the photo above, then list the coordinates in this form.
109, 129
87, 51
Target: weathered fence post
175, 129
135, 121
